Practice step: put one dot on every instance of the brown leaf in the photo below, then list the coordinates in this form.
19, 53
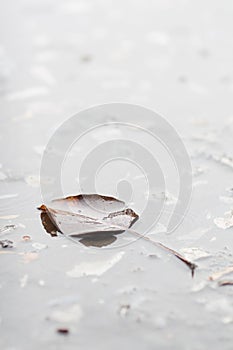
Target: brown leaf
48, 224
87, 215
93, 217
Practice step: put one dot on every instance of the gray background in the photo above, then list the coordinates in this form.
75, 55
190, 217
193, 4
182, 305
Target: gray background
58, 57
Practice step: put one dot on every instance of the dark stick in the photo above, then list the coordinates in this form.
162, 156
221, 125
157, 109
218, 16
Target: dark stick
191, 265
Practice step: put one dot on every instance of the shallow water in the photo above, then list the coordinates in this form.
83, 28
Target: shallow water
58, 57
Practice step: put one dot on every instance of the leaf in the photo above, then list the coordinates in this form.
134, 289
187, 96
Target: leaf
87, 215
95, 219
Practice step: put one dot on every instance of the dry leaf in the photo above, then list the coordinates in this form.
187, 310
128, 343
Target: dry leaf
87, 215
95, 218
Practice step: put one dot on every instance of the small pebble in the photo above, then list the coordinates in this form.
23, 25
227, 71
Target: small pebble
26, 238
63, 331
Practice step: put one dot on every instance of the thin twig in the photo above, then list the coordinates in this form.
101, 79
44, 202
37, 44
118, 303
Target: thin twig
190, 264
225, 283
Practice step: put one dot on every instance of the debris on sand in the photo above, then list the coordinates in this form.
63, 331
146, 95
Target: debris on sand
225, 283
215, 276
225, 222
26, 238
64, 331
124, 310
224, 159
5, 243
7, 228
